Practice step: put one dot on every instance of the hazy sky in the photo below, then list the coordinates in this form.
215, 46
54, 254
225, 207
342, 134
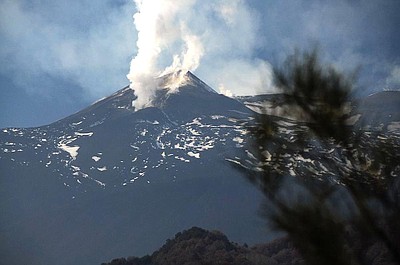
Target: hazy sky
59, 56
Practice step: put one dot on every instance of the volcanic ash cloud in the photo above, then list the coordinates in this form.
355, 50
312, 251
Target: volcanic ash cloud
165, 45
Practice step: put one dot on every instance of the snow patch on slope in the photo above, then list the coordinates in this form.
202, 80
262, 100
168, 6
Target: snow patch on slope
71, 150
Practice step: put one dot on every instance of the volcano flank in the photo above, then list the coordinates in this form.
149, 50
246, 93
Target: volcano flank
119, 180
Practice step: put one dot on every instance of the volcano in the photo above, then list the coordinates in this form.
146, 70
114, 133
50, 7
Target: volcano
112, 181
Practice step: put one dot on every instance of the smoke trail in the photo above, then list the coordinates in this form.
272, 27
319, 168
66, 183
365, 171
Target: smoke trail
161, 27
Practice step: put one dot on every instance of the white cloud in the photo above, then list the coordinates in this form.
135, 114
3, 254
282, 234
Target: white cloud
350, 34
92, 42
395, 74
393, 81
230, 44
225, 91
96, 57
241, 77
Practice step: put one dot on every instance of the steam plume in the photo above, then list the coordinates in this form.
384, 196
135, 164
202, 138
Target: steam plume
162, 33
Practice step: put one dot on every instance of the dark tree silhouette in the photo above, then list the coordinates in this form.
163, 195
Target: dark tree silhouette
338, 215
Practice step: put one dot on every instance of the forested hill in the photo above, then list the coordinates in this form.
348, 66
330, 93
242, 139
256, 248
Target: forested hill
197, 246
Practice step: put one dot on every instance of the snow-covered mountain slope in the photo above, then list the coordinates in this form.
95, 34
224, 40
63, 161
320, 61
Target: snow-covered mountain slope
109, 144
110, 181
120, 181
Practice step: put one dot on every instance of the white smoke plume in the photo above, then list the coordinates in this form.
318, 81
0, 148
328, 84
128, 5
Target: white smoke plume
162, 30
171, 34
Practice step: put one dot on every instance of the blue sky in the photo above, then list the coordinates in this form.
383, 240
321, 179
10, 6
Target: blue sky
60, 56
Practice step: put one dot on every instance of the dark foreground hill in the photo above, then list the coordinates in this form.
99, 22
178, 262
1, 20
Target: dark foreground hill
197, 246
